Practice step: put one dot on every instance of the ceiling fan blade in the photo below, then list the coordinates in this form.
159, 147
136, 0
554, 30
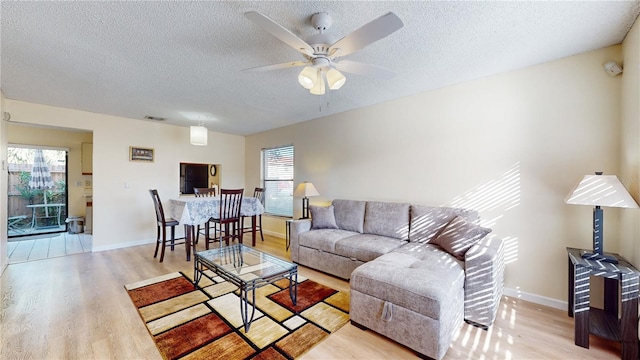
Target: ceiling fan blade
358, 68
367, 34
278, 66
280, 32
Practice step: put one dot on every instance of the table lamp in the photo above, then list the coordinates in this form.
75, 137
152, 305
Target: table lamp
600, 190
305, 189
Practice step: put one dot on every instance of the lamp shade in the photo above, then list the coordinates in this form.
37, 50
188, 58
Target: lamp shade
318, 87
601, 190
335, 79
198, 135
308, 77
306, 189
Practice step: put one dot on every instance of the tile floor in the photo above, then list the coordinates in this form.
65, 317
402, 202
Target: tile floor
37, 247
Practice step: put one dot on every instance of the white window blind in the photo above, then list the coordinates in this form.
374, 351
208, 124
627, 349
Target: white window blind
277, 179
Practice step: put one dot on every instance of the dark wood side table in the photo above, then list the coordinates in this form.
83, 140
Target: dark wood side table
287, 234
605, 322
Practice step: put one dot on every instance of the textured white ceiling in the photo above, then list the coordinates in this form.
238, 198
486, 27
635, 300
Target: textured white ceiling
183, 60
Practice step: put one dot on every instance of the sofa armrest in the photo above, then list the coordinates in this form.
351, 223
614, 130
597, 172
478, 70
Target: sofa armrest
484, 280
297, 227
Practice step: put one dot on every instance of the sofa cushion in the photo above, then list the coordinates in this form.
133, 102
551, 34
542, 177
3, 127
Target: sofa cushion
323, 239
459, 236
349, 214
427, 221
426, 280
366, 247
387, 219
322, 217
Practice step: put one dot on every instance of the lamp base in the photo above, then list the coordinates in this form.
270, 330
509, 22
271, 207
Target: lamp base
305, 208
600, 257
598, 229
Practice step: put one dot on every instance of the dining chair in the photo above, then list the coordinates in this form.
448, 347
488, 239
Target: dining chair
258, 193
228, 222
14, 221
200, 192
205, 192
162, 223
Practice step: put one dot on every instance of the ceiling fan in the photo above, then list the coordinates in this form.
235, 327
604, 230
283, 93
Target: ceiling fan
320, 55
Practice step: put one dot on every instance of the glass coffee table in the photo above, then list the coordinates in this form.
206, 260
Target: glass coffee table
248, 269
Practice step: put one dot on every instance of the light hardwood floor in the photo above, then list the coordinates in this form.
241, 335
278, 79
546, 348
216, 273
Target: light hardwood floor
75, 307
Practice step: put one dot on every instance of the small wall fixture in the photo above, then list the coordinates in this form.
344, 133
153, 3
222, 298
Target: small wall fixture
198, 135
612, 68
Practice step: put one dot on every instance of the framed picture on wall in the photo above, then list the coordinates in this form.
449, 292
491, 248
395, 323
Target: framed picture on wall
140, 154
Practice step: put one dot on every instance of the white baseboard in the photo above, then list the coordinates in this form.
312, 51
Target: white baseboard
122, 245
151, 241
537, 299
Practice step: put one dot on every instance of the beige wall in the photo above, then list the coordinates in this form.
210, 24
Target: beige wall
3, 185
511, 146
123, 210
72, 140
630, 141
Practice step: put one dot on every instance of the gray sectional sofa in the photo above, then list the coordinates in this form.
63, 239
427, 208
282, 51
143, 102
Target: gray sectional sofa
415, 271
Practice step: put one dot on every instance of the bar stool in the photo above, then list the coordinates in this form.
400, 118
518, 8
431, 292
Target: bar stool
258, 193
162, 223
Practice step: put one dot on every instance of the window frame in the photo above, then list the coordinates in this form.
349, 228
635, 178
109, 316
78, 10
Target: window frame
265, 180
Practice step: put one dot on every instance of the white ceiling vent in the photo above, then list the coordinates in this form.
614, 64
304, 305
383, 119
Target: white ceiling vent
154, 118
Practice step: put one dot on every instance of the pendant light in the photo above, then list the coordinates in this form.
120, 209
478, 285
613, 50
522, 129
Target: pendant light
198, 135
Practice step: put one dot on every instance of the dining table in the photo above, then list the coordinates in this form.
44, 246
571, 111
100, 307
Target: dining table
46, 208
193, 211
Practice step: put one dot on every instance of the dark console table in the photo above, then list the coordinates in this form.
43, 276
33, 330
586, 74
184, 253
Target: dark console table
606, 323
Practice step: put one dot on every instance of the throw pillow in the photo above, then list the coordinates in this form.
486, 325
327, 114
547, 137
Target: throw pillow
322, 217
459, 236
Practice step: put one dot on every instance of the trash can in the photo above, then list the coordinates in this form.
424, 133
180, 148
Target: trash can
76, 224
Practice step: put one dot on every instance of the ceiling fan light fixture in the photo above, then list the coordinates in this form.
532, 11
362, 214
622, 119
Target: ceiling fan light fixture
307, 77
318, 87
321, 52
335, 79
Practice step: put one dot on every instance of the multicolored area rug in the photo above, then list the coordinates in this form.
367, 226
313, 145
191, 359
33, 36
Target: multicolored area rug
205, 323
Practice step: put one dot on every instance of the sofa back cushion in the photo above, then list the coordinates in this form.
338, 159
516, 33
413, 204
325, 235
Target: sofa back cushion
387, 219
349, 214
428, 221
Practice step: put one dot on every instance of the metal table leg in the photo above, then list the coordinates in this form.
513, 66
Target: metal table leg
293, 287
244, 306
197, 272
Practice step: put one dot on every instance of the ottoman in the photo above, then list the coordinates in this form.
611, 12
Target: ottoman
414, 296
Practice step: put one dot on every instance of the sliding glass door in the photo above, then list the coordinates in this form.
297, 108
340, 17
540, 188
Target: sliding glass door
37, 194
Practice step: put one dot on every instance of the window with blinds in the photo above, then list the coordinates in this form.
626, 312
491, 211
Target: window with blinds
277, 180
